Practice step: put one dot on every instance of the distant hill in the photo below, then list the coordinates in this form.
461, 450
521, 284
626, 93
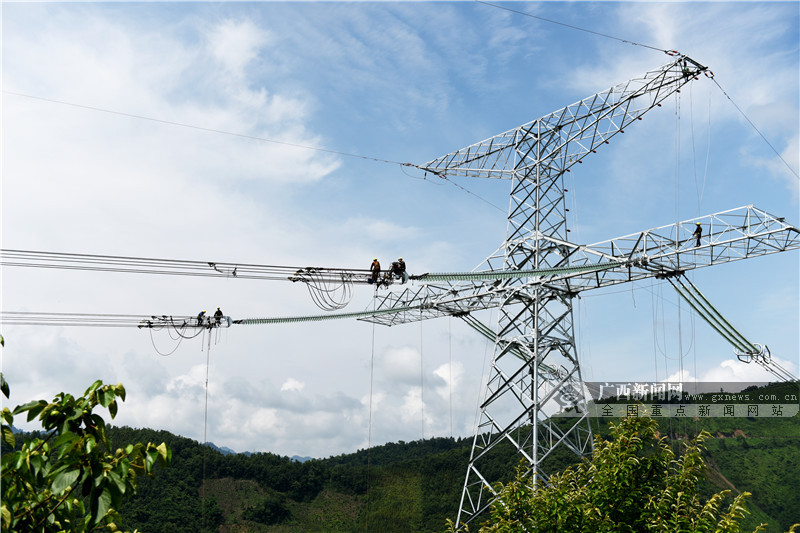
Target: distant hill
224, 450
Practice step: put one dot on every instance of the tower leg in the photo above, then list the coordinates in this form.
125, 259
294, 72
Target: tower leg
533, 377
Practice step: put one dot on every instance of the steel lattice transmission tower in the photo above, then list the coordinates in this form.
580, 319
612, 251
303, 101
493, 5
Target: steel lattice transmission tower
535, 358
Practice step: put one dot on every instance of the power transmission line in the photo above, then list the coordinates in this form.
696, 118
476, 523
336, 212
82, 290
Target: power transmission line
202, 128
30, 318
174, 267
551, 21
240, 135
634, 43
739, 109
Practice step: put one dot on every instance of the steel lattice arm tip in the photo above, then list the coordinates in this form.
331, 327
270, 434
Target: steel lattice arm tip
561, 139
740, 233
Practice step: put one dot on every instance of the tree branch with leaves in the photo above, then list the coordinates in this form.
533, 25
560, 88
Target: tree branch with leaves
634, 482
69, 479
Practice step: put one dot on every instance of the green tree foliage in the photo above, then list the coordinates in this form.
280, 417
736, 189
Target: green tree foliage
633, 482
67, 478
270, 510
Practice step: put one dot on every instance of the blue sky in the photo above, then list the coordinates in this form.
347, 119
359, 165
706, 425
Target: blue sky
403, 82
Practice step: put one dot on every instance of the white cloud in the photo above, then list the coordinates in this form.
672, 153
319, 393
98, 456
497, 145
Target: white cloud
401, 365
412, 406
192, 383
264, 421
292, 384
735, 370
786, 169
682, 376
450, 374
235, 44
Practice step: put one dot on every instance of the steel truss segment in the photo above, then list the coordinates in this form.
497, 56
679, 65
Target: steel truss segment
731, 235
562, 138
727, 236
502, 345
518, 431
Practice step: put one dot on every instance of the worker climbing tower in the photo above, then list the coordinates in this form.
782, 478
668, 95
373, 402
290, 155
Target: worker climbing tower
536, 272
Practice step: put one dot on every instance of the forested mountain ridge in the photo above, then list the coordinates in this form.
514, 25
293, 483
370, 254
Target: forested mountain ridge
415, 486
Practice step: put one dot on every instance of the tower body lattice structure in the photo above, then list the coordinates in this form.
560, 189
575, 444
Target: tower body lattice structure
535, 360
536, 272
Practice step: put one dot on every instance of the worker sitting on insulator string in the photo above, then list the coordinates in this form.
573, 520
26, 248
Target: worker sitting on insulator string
399, 270
698, 232
375, 268
200, 318
218, 316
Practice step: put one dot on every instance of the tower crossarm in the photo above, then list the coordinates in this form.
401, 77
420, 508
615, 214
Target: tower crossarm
662, 252
436, 300
489, 289
732, 235
564, 137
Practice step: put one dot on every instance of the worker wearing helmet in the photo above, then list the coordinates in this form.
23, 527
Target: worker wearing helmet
399, 270
375, 268
201, 318
698, 232
218, 315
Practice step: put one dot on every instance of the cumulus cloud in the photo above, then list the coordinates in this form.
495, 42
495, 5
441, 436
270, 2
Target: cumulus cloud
235, 43
264, 421
682, 376
735, 370
292, 384
401, 365
451, 375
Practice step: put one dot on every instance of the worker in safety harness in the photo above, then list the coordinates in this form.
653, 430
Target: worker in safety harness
685, 70
375, 268
218, 316
200, 318
399, 270
698, 232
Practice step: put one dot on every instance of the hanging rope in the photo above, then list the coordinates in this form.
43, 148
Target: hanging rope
450, 368
159, 352
421, 378
205, 437
369, 430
